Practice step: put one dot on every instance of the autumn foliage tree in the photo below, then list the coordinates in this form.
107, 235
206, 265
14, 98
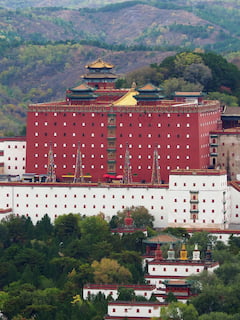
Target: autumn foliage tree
109, 271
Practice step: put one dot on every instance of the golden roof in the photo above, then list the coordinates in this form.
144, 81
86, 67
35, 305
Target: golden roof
127, 100
82, 86
148, 86
99, 64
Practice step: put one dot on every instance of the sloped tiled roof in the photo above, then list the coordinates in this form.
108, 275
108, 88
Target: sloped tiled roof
162, 238
148, 87
127, 100
82, 87
99, 63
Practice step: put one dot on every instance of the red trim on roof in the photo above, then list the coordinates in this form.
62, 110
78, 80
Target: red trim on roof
199, 172
12, 138
3, 211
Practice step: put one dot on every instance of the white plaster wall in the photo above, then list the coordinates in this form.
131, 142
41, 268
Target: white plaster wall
14, 156
235, 206
36, 200
130, 310
211, 207
176, 269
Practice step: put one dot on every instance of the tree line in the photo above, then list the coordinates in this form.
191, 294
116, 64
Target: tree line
43, 268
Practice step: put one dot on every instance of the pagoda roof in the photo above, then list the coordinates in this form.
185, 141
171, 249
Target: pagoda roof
99, 64
99, 75
149, 92
127, 100
81, 92
149, 87
82, 87
162, 238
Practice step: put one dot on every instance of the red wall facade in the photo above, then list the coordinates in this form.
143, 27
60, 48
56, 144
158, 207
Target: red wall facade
181, 136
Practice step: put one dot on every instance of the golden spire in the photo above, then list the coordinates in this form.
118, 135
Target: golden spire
183, 252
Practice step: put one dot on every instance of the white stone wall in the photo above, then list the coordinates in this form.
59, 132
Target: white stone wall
129, 310
175, 269
36, 200
235, 206
212, 203
14, 156
171, 206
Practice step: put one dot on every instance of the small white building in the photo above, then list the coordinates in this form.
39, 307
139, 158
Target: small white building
12, 155
199, 199
159, 270
133, 310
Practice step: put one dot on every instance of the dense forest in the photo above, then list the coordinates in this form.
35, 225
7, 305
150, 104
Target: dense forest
43, 268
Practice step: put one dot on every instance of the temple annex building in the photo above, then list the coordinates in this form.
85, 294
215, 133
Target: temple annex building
131, 134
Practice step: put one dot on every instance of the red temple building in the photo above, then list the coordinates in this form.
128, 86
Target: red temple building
131, 133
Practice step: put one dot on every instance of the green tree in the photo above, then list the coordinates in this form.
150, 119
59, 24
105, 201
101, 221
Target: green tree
140, 214
184, 60
44, 228
179, 311
219, 316
67, 227
225, 99
100, 227
126, 294
179, 84
197, 73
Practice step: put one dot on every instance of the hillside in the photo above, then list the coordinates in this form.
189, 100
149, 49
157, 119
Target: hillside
34, 73
129, 24
43, 50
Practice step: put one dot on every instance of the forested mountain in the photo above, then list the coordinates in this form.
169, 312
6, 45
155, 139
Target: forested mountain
134, 23
43, 50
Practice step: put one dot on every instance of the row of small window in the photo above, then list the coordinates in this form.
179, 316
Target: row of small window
194, 198
184, 221
15, 159
223, 154
74, 114
130, 146
15, 168
121, 124
16, 146
137, 310
130, 135
84, 207
194, 208
64, 166
85, 196
121, 156
193, 184
175, 269
223, 143
207, 123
